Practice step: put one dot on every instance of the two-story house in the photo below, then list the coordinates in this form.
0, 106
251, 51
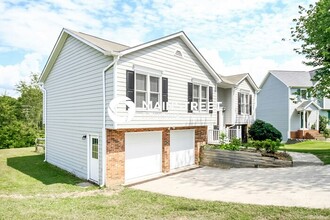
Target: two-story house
285, 102
238, 95
85, 74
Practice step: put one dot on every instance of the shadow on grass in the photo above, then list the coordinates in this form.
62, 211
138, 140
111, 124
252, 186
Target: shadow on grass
35, 167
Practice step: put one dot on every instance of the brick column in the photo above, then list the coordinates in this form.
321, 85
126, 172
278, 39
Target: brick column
115, 157
200, 139
166, 151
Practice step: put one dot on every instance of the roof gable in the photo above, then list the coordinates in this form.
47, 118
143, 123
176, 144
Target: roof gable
237, 79
306, 104
114, 49
188, 43
294, 78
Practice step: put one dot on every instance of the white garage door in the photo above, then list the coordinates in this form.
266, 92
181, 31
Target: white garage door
143, 154
182, 144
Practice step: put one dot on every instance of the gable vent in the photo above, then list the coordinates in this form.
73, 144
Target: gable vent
178, 53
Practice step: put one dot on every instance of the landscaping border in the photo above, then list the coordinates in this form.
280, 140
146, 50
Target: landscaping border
239, 159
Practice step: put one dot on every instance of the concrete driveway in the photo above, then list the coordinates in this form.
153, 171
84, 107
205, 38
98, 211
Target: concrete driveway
295, 186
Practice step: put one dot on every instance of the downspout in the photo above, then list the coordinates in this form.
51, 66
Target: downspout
104, 139
289, 113
41, 86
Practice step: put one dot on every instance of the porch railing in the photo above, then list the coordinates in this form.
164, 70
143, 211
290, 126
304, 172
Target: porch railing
214, 136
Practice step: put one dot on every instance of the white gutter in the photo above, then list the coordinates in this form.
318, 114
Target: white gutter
104, 139
41, 86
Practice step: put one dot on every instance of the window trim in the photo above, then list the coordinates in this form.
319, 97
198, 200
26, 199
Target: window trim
148, 92
245, 104
200, 85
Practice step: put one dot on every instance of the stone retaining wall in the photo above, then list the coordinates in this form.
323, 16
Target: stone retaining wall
239, 159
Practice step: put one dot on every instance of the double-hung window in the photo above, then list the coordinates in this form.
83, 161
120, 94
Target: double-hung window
147, 90
141, 90
200, 98
244, 104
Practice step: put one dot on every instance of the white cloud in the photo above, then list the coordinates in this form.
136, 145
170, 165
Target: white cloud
236, 36
10, 75
257, 67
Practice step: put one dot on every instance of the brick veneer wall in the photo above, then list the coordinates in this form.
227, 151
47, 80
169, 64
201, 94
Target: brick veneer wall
115, 173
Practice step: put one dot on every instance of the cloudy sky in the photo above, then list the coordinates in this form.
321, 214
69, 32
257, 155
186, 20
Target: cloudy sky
235, 36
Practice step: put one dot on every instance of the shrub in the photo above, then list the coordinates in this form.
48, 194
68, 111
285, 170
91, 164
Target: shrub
17, 134
258, 145
326, 133
271, 146
261, 131
236, 142
324, 121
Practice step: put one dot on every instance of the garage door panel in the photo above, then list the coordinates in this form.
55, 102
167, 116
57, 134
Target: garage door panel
143, 154
182, 146
142, 144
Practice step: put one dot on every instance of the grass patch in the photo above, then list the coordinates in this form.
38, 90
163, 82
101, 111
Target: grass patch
24, 172
318, 148
135, 204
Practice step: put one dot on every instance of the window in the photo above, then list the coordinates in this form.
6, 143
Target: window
244, 104
147, 90
303, 93
196, 95
200, 97
141, 89
95, 148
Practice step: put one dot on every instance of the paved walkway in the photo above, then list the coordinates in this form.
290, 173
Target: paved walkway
304, 186
304, 159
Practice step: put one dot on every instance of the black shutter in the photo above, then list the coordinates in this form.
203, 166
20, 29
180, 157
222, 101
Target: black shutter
211, 98
130, 85
250, 104
190, 96
164, 94
239, 103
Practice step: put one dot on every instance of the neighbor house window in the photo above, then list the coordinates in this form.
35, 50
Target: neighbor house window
244, 103
303, 93
147, 90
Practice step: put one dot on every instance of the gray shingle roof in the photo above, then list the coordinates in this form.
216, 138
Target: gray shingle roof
103, 44
233, 79
294, 78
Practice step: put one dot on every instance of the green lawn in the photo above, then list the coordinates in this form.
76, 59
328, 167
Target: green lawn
22, 171
38, 182
318, 148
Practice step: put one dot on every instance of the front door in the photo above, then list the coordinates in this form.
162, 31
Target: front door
304, 119
94, 158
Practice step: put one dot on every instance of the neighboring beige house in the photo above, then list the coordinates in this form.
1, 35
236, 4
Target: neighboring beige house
284, 102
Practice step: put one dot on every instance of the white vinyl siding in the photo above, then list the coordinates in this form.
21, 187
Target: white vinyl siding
74, 105
273, 105
225, 96
245, 117
179, 72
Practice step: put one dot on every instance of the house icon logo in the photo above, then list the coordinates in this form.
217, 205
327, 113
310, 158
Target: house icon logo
112, 109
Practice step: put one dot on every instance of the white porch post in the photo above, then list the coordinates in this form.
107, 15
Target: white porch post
317, 120
304, 121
